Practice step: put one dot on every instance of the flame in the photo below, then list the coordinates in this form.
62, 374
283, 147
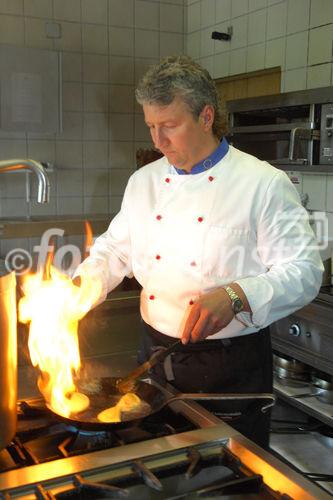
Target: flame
89, 238
53, 307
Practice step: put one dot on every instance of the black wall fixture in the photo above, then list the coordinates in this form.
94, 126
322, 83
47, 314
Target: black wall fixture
217, 35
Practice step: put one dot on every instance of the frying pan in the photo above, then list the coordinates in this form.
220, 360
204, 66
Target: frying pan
105, 394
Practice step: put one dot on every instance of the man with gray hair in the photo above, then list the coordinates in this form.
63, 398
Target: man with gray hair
210, 234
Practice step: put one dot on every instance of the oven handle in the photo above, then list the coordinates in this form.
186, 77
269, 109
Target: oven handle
298, 133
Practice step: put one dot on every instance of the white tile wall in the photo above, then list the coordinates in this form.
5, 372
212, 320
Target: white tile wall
257, 27
277, 20
296, 50
315, 186
294, 79
319, 76
223, 10
207, 13
298, 15
275, 53
320, 44
321, 12
255, 57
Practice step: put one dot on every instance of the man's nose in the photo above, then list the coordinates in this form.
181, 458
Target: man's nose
159, 138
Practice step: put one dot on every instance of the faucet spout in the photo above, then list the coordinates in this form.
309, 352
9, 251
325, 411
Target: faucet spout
34, 166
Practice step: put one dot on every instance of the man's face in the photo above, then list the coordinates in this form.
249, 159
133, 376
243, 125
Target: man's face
177, 133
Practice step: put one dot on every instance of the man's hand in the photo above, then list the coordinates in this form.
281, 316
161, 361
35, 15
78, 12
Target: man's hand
210, 313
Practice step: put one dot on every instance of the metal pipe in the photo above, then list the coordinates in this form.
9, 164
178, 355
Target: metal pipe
33, 166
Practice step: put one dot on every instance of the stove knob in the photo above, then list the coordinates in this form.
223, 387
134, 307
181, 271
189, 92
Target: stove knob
295, 330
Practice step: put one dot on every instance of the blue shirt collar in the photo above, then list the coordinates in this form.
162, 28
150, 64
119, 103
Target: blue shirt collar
209, 162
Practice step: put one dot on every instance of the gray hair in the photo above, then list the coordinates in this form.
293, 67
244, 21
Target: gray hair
180, 76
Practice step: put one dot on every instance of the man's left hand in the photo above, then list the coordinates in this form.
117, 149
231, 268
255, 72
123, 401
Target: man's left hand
209, 314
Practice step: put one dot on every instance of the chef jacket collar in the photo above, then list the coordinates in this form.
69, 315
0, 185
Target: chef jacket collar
208, 162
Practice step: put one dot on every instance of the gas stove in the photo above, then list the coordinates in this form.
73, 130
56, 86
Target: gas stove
182, 452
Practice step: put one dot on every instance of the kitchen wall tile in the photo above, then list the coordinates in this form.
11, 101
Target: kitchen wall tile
68, 11
320, 45
12, 149
71, 67
122, 155
294, 79
297, 180
208, 64
257, 27
255, 57
95, 39
14, 7
95, 126
13, 185
72, 96
43, 151
239, 7
321, 12
172, 18
40, 209
315, 186
257, 4
296, 50
69, 182
298, 16
121, 13
276, 20
68, 154
12, 30
96, 182
72, 126
95, 68
121, 41
95, 154
146, 43
37, 8
329, 191
121, 69
69, 205
319, 76
147, 15
96, 205
238, 61
171, 43
121, 98
207, 13
118, 181
222, 64
94, 11
35, 35
271, 2
193, 17
70, 37
207, 44
193, 41
115, 204
141, 66
96, 97
223, 10
121, 127
275, 53
141, 132
239, 36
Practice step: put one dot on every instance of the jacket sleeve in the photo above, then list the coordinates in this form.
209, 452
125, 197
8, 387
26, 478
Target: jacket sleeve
287, 247
110, 256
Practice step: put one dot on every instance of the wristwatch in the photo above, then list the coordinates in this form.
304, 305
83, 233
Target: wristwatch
236, 302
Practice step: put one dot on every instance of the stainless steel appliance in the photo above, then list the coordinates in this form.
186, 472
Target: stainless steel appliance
294, 128
185, 452
8, 355
305, 341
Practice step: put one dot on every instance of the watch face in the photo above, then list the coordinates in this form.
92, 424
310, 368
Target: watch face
237, 306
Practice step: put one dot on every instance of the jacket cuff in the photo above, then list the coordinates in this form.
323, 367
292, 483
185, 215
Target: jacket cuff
259, 294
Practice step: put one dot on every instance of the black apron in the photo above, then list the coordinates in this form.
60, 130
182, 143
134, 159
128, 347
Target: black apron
239, 364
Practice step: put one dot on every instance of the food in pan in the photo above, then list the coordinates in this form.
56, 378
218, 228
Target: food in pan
126, 403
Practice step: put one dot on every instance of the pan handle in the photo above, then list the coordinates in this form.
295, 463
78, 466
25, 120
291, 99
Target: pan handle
206, 396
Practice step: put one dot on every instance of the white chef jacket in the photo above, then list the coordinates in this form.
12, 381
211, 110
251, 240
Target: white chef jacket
184, 235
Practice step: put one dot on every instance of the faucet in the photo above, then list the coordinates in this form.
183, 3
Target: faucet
33, 166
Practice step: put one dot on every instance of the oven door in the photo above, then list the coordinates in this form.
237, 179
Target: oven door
292, 145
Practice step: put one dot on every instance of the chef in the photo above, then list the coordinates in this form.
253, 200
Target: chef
218, 240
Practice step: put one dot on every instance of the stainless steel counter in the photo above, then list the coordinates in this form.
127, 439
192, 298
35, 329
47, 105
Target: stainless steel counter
21, 227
